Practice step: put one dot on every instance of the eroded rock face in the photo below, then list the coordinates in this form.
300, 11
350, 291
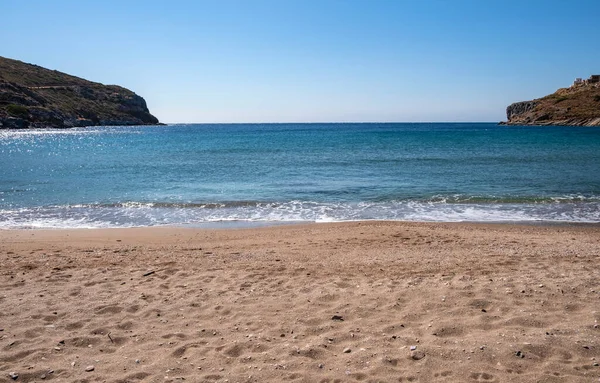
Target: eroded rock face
13, 123
519, 108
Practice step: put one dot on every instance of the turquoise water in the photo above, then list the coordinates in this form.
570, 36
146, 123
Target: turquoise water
199, 174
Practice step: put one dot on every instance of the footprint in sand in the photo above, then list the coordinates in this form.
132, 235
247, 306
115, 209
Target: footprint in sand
110, 309
482, 377
408, 379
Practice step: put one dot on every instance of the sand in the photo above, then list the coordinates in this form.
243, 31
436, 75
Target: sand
346, 302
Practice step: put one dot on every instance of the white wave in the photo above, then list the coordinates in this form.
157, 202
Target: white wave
149, 214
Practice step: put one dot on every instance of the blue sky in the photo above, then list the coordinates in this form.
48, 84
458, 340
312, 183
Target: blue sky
313, 61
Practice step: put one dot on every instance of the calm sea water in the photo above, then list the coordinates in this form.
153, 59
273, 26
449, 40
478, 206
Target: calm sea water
199, 174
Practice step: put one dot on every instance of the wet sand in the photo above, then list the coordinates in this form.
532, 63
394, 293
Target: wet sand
346, 302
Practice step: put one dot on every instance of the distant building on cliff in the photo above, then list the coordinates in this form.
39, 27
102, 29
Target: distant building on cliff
594, 79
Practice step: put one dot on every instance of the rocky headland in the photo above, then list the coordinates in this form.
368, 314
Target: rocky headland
36, 97
578, 105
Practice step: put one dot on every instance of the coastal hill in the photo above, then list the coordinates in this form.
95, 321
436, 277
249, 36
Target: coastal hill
578, 105
36, 97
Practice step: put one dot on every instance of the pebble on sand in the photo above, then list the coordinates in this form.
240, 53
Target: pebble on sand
13, 375
347, 350
417, 355
90, 368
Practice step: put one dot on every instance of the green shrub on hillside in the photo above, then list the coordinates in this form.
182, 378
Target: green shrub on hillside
561, 99
17, 110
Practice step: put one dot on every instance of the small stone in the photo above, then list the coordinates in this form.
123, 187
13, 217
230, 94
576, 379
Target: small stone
347, 350
596, 364
57, 348
137, 361
413, 348
417, 355
43, 376
90, 368
13, 375
520, 354
321, 365
337, 317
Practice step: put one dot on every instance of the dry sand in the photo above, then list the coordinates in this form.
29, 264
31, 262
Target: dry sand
308, 303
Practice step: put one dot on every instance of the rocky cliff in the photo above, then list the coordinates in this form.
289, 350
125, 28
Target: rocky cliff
578, 105
35, 97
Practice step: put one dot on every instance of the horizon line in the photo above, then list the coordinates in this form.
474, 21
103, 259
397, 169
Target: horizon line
333, 122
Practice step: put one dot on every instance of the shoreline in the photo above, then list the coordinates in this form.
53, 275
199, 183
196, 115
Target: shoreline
235, 225
357, 301
144, 233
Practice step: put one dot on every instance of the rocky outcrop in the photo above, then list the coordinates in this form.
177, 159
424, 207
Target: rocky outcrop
518, 108
578, 105
35, 97
13, 123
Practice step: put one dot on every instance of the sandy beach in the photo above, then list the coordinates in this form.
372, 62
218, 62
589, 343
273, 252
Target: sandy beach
344, 302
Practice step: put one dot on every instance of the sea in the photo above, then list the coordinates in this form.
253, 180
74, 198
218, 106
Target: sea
236, 175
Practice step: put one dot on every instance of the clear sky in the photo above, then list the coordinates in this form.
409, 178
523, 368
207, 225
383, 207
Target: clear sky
313, 61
